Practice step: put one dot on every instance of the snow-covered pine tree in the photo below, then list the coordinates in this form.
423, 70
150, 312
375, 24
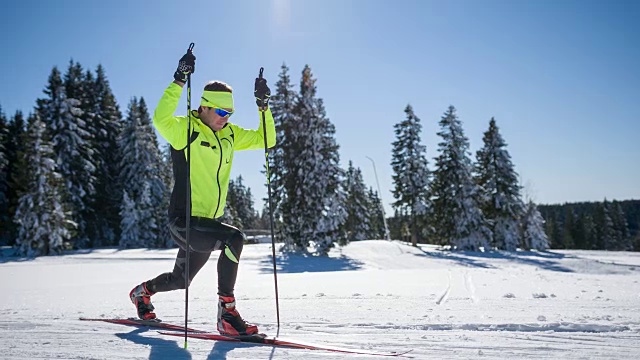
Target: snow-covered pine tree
51, 110
17, 174
40, 215
230, 215
282, 106
67, 130
376, 215
77, 166
456, 216
4, 179
167, 179
130, 226
240, 205
622, 237
105, 125
410, 171
246, 211
500, 199
358, 223
313, 210
606, 231
81, 88
141, 169
534, 236
154, 172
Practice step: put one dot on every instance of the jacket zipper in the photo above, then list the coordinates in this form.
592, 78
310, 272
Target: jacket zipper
218, 176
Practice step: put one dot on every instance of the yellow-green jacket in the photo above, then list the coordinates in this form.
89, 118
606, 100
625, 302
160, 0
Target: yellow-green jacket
211, 155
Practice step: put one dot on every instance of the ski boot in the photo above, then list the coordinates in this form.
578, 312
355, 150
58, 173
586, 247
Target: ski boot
141, 298
229, 320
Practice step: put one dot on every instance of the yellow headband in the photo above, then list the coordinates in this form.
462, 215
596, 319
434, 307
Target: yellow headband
217, 99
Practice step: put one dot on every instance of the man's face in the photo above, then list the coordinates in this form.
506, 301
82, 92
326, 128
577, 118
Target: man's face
212, 119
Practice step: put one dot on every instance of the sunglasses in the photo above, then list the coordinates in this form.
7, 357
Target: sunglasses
223, 113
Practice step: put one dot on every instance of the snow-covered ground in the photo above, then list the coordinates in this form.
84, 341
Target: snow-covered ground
369, 295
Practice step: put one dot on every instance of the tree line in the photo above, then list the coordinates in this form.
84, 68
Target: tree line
460, 203
606, 225
468, 205
77, 173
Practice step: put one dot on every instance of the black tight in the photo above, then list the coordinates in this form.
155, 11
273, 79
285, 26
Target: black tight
206, 236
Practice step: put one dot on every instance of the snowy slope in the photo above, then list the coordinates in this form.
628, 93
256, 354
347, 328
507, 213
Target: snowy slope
370, 295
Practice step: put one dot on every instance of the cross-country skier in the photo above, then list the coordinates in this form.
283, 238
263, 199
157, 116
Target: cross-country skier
213, 143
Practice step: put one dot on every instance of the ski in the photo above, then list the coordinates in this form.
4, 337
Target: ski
156, 324
264, 340
255, 339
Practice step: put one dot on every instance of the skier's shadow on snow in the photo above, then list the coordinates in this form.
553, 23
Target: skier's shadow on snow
160, 349
222, 348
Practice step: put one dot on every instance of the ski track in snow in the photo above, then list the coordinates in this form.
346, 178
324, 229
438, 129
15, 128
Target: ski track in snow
468, 283
445, 295
372, 295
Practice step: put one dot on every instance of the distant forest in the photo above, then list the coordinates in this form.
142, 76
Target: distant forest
607, 225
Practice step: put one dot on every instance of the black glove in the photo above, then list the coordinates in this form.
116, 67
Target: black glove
262, 92
186, 66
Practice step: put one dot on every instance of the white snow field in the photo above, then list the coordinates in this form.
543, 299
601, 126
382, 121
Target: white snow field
374, 295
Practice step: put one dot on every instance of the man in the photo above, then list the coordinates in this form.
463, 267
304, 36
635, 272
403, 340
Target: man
213, 141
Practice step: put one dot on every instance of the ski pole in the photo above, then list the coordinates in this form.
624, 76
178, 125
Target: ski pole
273, 239
188, 207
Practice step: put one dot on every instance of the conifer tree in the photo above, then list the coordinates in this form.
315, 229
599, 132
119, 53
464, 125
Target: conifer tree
456, 216
622, 238
154, 173
410, 171
81, 88
51, 110
167, 179
313, 211
16, 176
70, 139
606, 231
358, 223
104, 122
244, 205
534, 236
141, 169
130, 226
239, 209
4, 179
500, 199
282, 106
43, 226
81, 169
376, 215
230, 215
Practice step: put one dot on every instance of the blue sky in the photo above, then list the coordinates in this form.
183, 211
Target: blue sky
561, 77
